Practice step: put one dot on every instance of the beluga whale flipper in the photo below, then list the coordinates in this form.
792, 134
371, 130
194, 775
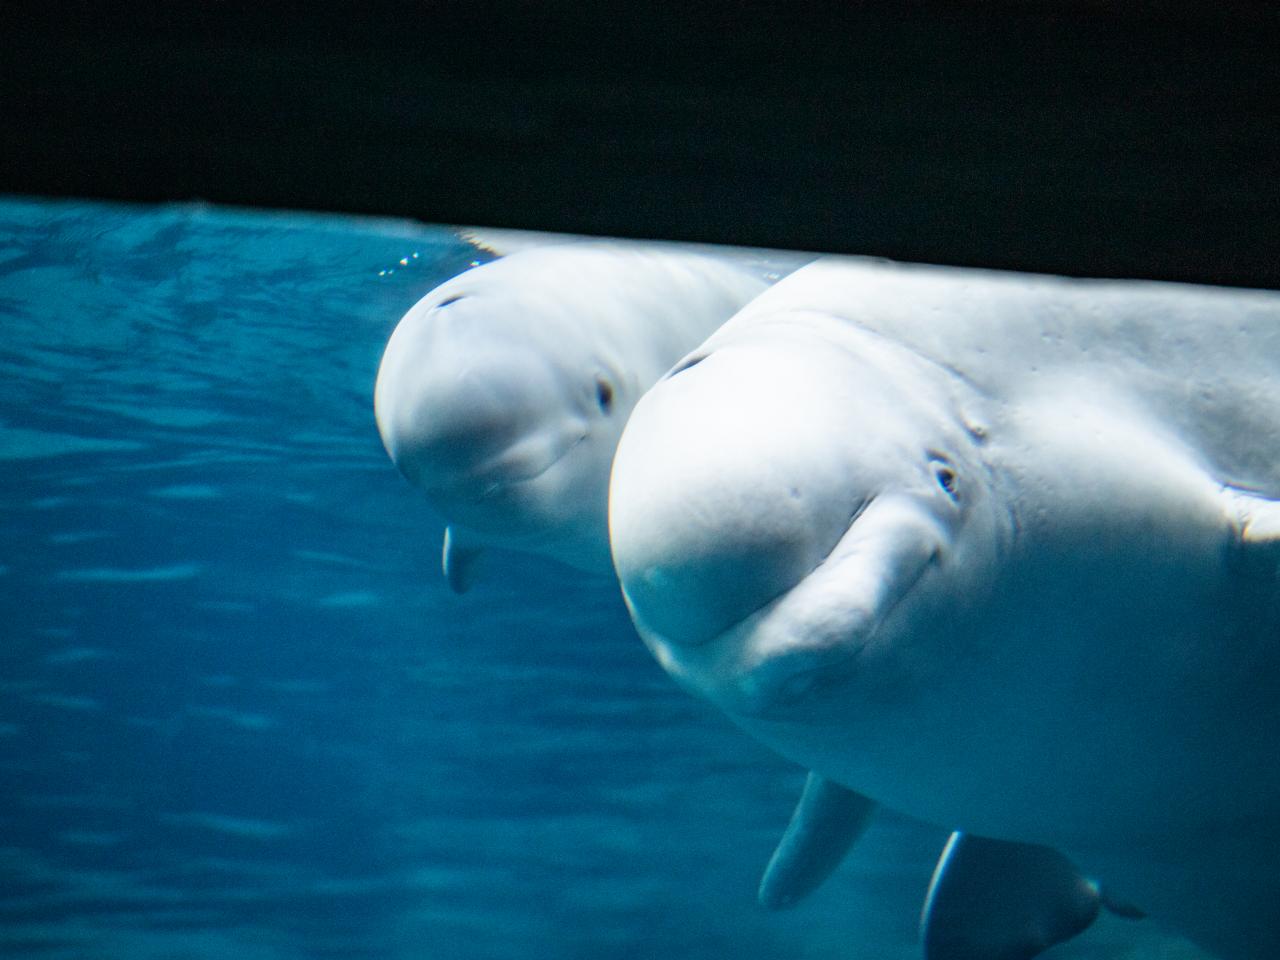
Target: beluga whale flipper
502, 392
998, 551
827, 821
1000, 900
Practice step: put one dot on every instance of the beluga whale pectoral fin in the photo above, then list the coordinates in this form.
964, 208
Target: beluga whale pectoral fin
1001, 900
458, 561
827, 821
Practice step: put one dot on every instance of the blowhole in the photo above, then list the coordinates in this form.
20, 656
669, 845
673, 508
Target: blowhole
449, 301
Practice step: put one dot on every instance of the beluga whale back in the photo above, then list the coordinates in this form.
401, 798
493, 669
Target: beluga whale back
502, 392
1001, 552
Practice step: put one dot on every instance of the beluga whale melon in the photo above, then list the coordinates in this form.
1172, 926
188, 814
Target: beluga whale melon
502, 392
1001, 552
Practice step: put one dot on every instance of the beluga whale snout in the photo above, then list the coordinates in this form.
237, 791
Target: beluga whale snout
759, 562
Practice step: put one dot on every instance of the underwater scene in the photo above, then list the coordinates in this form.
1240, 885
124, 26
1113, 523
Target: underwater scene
242, 712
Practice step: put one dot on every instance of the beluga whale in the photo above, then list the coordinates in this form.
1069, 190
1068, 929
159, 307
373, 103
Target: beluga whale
1000, 552
501, 394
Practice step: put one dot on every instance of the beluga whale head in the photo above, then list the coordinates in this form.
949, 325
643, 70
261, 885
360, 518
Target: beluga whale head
502, 393
797, 511
484, 425
995, 551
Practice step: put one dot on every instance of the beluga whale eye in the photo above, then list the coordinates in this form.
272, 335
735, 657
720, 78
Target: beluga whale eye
604, 394
946, 476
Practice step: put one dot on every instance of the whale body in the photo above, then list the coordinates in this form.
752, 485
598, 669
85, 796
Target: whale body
999, 551
501, 394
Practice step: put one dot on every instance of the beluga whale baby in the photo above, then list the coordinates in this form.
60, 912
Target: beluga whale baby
502, 392
1001, 552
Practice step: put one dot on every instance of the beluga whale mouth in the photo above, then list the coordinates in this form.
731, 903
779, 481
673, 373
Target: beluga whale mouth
761, 563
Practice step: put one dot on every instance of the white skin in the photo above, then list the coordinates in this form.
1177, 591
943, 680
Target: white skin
1000, 552
502, 393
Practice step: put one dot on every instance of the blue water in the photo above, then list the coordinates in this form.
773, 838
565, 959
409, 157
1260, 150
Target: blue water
240, 713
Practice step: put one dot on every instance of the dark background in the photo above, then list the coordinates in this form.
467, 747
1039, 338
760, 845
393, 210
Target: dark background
1127, 139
